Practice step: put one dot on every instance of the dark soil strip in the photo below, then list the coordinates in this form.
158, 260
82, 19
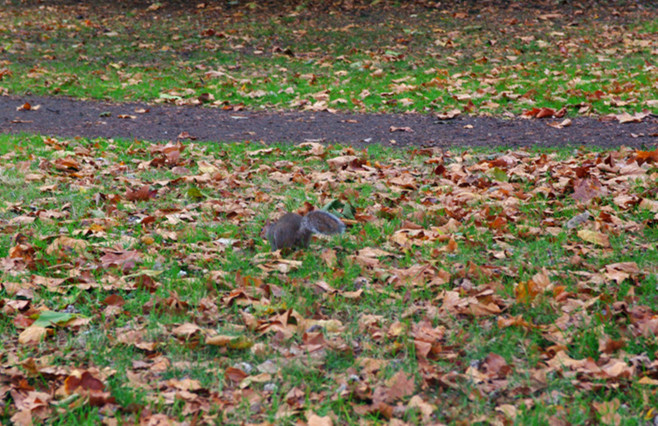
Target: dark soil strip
69, 118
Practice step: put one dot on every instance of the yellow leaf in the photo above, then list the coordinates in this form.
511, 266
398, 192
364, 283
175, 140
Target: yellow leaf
233, 342
32, 335
648, 381
594, 237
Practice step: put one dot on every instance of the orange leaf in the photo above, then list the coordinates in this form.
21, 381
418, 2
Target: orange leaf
526, 291
545, 112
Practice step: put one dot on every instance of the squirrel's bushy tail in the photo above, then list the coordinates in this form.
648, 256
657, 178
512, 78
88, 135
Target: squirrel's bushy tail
321, 222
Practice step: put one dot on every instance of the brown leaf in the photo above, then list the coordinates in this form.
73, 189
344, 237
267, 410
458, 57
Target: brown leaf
426, 409
68, 164
295, 397
114, 300
586, 189
186, 330
561, 125
186, 135
142, 194
545, 112
608, 410
66, 245
235, 375
495, 366
315, 420
328, 256
647, 204
22, 418
401, 385
625, 117
123, 259
185, 384
448, 115
85, 382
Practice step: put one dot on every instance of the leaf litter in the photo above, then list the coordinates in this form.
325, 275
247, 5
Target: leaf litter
184, 279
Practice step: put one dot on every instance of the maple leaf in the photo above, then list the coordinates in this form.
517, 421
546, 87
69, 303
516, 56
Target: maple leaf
587, 189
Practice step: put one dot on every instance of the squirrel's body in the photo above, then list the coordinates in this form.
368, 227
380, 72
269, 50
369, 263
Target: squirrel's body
294, 231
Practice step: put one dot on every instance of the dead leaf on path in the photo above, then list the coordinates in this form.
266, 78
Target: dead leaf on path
561, 125
625, 117
449, 115
400, 129
27, 107
186, 135
543, 112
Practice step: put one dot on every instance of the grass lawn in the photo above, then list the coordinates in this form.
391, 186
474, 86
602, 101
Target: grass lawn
470, 285
486, 61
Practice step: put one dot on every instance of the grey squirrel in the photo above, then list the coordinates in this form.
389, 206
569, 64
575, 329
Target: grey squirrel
294, 231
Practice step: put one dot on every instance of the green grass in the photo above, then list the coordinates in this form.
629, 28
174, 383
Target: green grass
426, 62
210, 267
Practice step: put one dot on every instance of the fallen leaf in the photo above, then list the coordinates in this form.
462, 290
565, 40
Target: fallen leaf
400, 129
594, 237
32, 335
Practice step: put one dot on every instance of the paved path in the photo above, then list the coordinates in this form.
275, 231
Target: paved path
68, 118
